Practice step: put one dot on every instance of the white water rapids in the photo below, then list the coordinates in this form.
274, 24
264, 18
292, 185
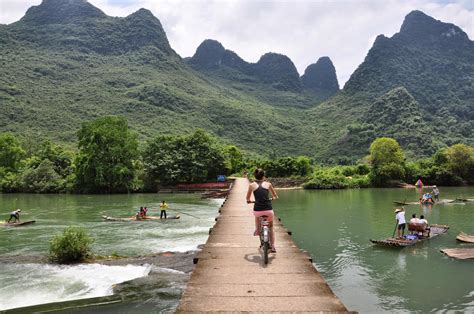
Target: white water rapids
31, 284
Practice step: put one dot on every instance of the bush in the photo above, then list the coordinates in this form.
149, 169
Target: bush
327, 180
72, 246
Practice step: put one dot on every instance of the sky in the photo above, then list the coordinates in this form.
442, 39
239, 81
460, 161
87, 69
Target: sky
304, 30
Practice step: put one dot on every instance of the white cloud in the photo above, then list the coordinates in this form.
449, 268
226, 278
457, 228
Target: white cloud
344, 30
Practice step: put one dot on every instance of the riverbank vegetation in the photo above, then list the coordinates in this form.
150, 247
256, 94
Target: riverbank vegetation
109, 158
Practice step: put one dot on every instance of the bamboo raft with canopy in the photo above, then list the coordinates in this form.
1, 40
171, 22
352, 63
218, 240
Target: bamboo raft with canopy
147, 218
408, 240
464, 237
460, 253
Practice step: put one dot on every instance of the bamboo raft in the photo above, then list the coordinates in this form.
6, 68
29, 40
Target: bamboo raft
405, 203
17, 224
464, 200
147, 218
442, 201
412, 186
435, 230
464, 237
460, 253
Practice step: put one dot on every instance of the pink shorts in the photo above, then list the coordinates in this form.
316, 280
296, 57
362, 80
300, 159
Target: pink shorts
260, 213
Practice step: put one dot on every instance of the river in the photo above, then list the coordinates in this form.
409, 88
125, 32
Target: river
333, 226
30, 284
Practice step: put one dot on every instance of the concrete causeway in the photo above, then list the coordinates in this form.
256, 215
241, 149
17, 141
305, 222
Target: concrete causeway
230, 275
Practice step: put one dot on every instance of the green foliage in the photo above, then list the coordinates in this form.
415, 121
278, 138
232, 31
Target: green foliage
192, 158
460, 160
8, 181
72, 246
107, 149
42, 178
11, 152
339, 177
385, 151
61, 159
282, 167
387, 159
234, 158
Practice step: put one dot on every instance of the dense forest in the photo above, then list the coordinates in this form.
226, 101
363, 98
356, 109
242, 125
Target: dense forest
110, 158
66, 62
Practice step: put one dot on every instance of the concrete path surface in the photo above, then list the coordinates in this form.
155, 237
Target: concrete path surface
230, 275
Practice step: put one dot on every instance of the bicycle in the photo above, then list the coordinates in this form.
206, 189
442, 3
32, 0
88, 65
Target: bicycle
264, 234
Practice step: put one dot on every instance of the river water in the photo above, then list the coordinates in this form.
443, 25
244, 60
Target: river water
29, 284
333, 226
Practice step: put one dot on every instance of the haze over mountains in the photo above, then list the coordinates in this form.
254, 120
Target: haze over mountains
66, 62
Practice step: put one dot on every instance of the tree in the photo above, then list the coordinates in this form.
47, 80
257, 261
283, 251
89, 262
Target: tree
303, 166
460, 160
387, 159
234, 158
59, 157
107, 149
11, 152
192, 158
41, 179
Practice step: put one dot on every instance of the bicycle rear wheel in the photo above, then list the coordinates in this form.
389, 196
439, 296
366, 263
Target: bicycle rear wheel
266, 248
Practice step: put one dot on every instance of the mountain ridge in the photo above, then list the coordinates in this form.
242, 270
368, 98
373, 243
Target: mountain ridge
56, 76
274, 69
436, 73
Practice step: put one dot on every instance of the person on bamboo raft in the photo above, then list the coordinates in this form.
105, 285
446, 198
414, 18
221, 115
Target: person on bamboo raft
263, 205
435, 192
414, 220
424, 222
163, 208
400, 217
141, 213
16, 215
427, 198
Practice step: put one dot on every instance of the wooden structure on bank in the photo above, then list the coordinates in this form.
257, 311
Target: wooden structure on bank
230, 275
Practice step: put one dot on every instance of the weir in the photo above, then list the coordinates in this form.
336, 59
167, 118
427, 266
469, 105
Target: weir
230, 274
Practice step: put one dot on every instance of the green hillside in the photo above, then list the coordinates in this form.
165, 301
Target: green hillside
66, 62
58, 72
433, 63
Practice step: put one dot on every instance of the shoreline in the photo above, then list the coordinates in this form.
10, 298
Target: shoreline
289, 188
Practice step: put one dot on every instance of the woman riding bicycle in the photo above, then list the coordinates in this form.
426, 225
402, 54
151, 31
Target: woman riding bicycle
263, 204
